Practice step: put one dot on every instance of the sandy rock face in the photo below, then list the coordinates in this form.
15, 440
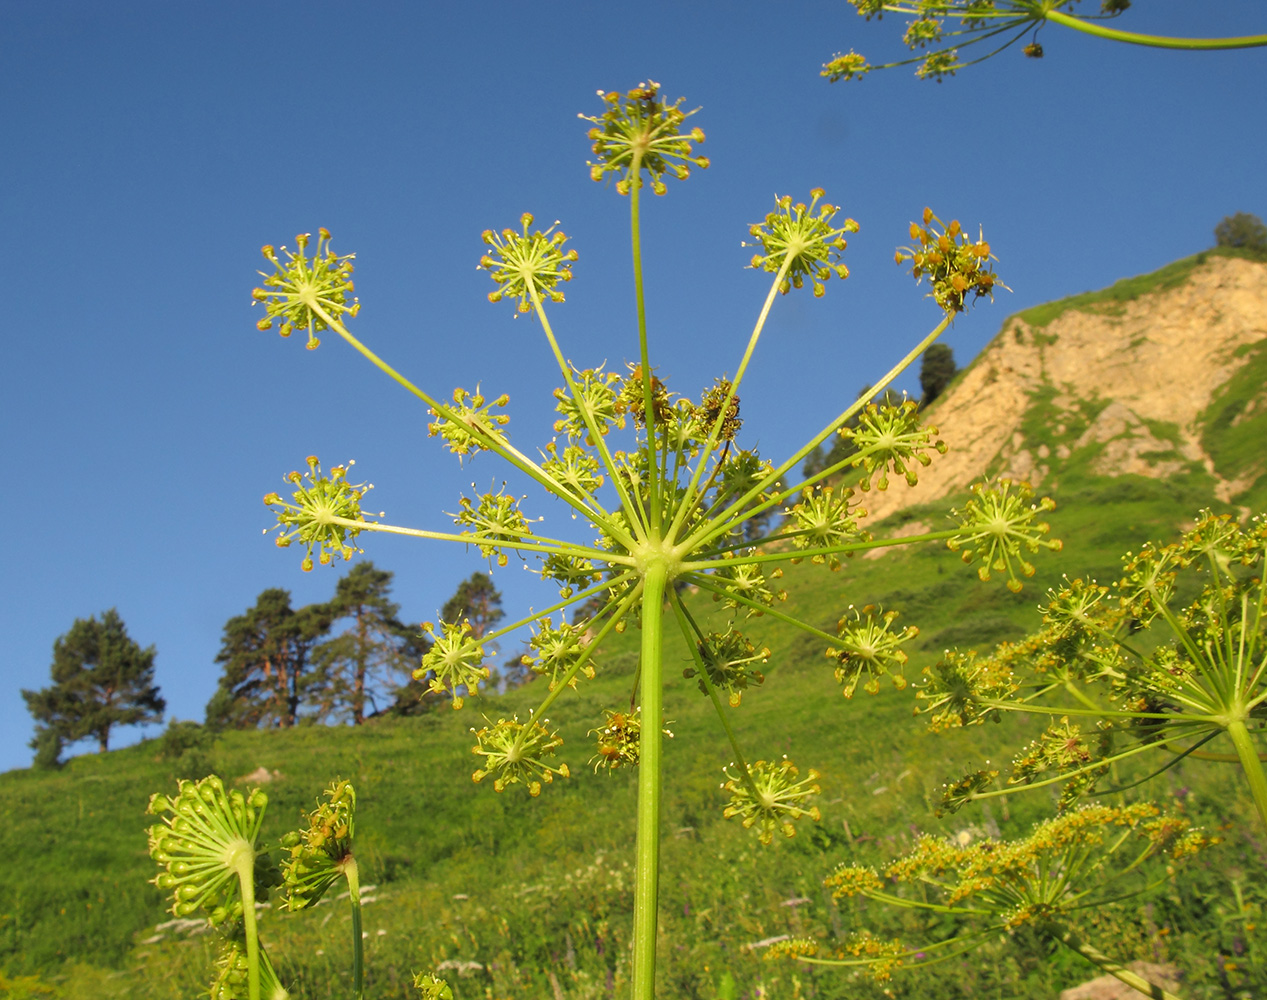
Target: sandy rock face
1156, 360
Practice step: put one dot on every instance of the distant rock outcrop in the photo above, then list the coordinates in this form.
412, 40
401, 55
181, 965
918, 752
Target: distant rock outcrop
1121, 386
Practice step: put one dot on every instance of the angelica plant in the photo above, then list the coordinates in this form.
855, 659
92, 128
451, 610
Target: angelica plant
1166, 662
207, 848
1037, 886
321, 856
666, 485
1002, 23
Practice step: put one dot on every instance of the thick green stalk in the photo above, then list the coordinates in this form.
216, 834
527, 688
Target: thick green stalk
1251, 765
647, 873
1154, 41
243, 862
1074, 943
352, 874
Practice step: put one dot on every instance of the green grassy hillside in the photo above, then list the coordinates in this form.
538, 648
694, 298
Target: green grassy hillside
512, 896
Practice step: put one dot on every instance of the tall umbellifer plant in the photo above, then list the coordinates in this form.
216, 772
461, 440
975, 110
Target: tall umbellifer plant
1167, 663
666, 487
207, 847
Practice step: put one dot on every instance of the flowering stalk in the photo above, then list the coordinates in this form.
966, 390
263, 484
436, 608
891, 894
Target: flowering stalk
676, 503
1008, 21
1092, 856
320, 855
1152, 673
206, 847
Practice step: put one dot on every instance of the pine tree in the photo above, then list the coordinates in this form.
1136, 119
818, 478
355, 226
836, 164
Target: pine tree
936, 372
476, 600
101, 679
265, 653
374, 656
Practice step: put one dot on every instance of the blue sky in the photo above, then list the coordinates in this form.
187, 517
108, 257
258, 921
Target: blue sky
149, 149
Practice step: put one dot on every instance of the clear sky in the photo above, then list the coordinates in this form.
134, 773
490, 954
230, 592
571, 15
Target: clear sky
148, 149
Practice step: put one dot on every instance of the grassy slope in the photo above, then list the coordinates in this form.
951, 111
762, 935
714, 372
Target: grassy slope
75, 903
430, 834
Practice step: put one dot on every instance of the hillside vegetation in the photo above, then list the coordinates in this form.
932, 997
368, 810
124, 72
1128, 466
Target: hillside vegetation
510, 896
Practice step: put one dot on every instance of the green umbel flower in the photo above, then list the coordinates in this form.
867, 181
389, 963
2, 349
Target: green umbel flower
559, 652
869, 645
526, 263
204, 844
470, 423
596, 393
320, 504
849, 66
306, 293
494, 518
824, 519
997, 525
618, 740
455, 660
640, 131
770, 797
802, 241
729, 658
320, 852
515, 753
889, 438
959, 689
955, 266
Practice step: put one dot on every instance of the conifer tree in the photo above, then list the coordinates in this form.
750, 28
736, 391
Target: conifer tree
476, 600
266, 653
101, 679
374, 656
936, 372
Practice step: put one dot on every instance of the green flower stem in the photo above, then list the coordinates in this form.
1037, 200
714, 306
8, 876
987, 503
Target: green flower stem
1192, 751
1073, 942
1175, 719
635, 227
352, 874
1250, 764
495, 444
242, 860
1093, 766
560, 605
923, 904
565, 548
1195, 754
973, 939
774, 500
646, 908
766, 557
1154, 41
720, 524
705, 583
1209, 671
575, 669
591, 425
1082, 697
688, 501
688, 626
